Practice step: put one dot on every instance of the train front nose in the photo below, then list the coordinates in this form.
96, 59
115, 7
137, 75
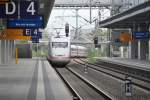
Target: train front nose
59, 61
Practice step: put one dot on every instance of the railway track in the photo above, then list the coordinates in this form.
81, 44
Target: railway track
80, 87
135, 72
112, 72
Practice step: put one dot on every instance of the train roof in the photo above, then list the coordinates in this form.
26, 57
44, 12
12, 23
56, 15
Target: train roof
60, 39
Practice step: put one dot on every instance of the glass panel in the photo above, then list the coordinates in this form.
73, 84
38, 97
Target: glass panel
59, 44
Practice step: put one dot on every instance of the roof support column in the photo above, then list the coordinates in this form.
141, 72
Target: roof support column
149, 43
143, 49
133, 50
133, 46
143, 44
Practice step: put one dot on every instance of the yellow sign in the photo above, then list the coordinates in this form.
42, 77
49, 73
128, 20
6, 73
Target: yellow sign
125, 37
15, 38
12, 32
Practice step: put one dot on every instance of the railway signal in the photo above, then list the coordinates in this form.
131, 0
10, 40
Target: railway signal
67, 29
96, 41
86, 68
128, 86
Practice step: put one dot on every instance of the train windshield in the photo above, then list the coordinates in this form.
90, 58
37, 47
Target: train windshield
59, 44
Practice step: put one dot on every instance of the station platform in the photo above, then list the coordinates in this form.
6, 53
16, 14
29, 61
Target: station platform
31, 79
135, 63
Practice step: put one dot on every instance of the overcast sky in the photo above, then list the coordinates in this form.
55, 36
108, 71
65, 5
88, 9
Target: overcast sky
60, 17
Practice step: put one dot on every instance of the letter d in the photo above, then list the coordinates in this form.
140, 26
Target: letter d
13, 8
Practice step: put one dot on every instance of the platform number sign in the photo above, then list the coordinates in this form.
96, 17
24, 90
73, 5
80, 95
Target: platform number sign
9, 10
31, 32
24, 9
29, 9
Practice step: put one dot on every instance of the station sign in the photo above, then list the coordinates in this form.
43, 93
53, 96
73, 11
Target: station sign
28, 9
34, 23
15, 38
125, 37
30, 32
116, 39
13, 34
33, 33
141, 35
22, 9
9, 10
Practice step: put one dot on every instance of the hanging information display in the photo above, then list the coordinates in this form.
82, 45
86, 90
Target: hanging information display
26, 23
22, 9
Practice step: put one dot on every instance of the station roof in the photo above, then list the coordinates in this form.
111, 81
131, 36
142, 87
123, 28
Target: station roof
85, 3
137, 15
45, 7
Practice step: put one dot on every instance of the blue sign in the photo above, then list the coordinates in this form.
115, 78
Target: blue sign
35, 39
33, 33
26, 23
23, 9
40, 35
141, 35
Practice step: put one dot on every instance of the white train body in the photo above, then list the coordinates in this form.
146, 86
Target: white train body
78, 51
59, 51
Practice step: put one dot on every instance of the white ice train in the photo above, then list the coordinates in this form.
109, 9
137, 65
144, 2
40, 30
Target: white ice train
78, 51
59, 51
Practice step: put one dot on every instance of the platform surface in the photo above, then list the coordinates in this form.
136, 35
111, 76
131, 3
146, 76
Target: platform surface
31, 79
140, 64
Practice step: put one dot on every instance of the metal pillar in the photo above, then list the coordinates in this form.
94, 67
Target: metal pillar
122, 51
77, 26
149, 42
133, 46
143, 44
90, 11
133, 50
